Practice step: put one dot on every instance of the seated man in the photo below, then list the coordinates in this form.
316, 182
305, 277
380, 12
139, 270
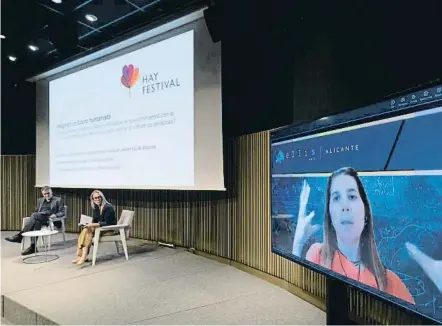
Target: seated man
47, 207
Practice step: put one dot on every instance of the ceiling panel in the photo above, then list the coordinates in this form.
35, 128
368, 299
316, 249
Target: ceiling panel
139, 3
106, 14
85, 27
44, 23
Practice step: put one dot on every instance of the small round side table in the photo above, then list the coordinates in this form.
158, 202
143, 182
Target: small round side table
40, 258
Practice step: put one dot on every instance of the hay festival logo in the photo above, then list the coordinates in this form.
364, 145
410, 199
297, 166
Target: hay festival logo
130, 76
151, 82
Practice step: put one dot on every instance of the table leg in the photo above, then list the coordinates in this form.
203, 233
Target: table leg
44, 246
32, 259
36, 245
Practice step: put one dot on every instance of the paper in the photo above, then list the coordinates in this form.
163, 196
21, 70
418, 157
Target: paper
84, 219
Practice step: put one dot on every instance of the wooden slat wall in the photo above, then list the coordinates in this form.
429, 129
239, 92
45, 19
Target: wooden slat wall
18, 195
234, 224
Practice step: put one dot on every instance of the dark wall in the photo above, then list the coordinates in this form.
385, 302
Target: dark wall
356, 53
290, 61
257, 67
17, 117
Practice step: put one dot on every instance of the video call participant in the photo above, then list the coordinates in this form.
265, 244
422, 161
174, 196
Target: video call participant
103, 215
349, 246
48, 206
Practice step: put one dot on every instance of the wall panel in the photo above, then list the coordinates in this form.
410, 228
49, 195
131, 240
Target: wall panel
233, 224
18, 195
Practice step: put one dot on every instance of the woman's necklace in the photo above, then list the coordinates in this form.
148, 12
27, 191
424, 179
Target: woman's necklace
357, 263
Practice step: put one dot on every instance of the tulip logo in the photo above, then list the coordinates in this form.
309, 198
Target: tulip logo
130, 76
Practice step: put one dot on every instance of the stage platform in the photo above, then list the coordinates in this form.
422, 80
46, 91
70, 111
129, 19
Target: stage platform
156, 285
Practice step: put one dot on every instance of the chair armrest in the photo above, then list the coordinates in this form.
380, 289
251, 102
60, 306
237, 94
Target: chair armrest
113, 227
108, 227
25, 219
57, 219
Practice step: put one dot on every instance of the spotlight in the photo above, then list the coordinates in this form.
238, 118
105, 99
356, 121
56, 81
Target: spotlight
2, 36
33, 47
91, 18
12, 58
324, 118
56, 1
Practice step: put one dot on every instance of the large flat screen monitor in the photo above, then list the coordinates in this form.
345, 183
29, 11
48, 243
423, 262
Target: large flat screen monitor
358, 196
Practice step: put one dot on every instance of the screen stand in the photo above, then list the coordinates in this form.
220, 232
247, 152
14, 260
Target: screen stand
337, 302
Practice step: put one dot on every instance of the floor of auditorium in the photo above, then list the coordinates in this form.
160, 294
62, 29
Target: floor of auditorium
156, 285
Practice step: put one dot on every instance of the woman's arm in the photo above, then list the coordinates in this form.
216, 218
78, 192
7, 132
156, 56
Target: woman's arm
314, 253
108, 216
430, 266
397, 288
304, 227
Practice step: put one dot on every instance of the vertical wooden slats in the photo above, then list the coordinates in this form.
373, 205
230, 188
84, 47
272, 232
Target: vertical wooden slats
234, 224
18, 195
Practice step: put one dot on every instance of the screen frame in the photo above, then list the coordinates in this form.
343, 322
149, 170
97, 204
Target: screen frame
375, 112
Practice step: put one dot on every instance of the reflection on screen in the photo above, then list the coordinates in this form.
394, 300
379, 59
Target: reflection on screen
366, 203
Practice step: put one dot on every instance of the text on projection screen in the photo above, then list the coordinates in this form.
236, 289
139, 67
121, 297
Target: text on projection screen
126, 121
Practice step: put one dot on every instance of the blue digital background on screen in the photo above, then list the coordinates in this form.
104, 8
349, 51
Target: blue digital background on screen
405, 208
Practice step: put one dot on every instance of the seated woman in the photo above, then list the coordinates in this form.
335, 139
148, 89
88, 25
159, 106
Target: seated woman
104, 214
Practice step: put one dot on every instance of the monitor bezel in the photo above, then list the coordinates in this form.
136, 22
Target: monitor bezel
375, 112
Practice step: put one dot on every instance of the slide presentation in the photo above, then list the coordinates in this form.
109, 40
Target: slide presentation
128, 121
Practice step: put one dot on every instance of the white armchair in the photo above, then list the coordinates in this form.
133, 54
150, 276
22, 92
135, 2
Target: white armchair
62, 230
51, 226
124, 226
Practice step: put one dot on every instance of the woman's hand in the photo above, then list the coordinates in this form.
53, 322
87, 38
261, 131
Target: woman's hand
92, 225
304, 227
431, 267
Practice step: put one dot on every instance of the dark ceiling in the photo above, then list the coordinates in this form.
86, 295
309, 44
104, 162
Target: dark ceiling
296, 55
61, 31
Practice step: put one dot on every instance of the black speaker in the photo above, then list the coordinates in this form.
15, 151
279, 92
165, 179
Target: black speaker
212, 16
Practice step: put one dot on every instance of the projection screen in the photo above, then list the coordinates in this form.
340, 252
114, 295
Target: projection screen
144, 113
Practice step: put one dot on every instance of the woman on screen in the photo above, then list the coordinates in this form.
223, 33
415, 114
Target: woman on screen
349, 247
104, 214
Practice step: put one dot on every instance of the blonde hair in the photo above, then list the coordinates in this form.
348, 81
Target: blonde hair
103, 199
